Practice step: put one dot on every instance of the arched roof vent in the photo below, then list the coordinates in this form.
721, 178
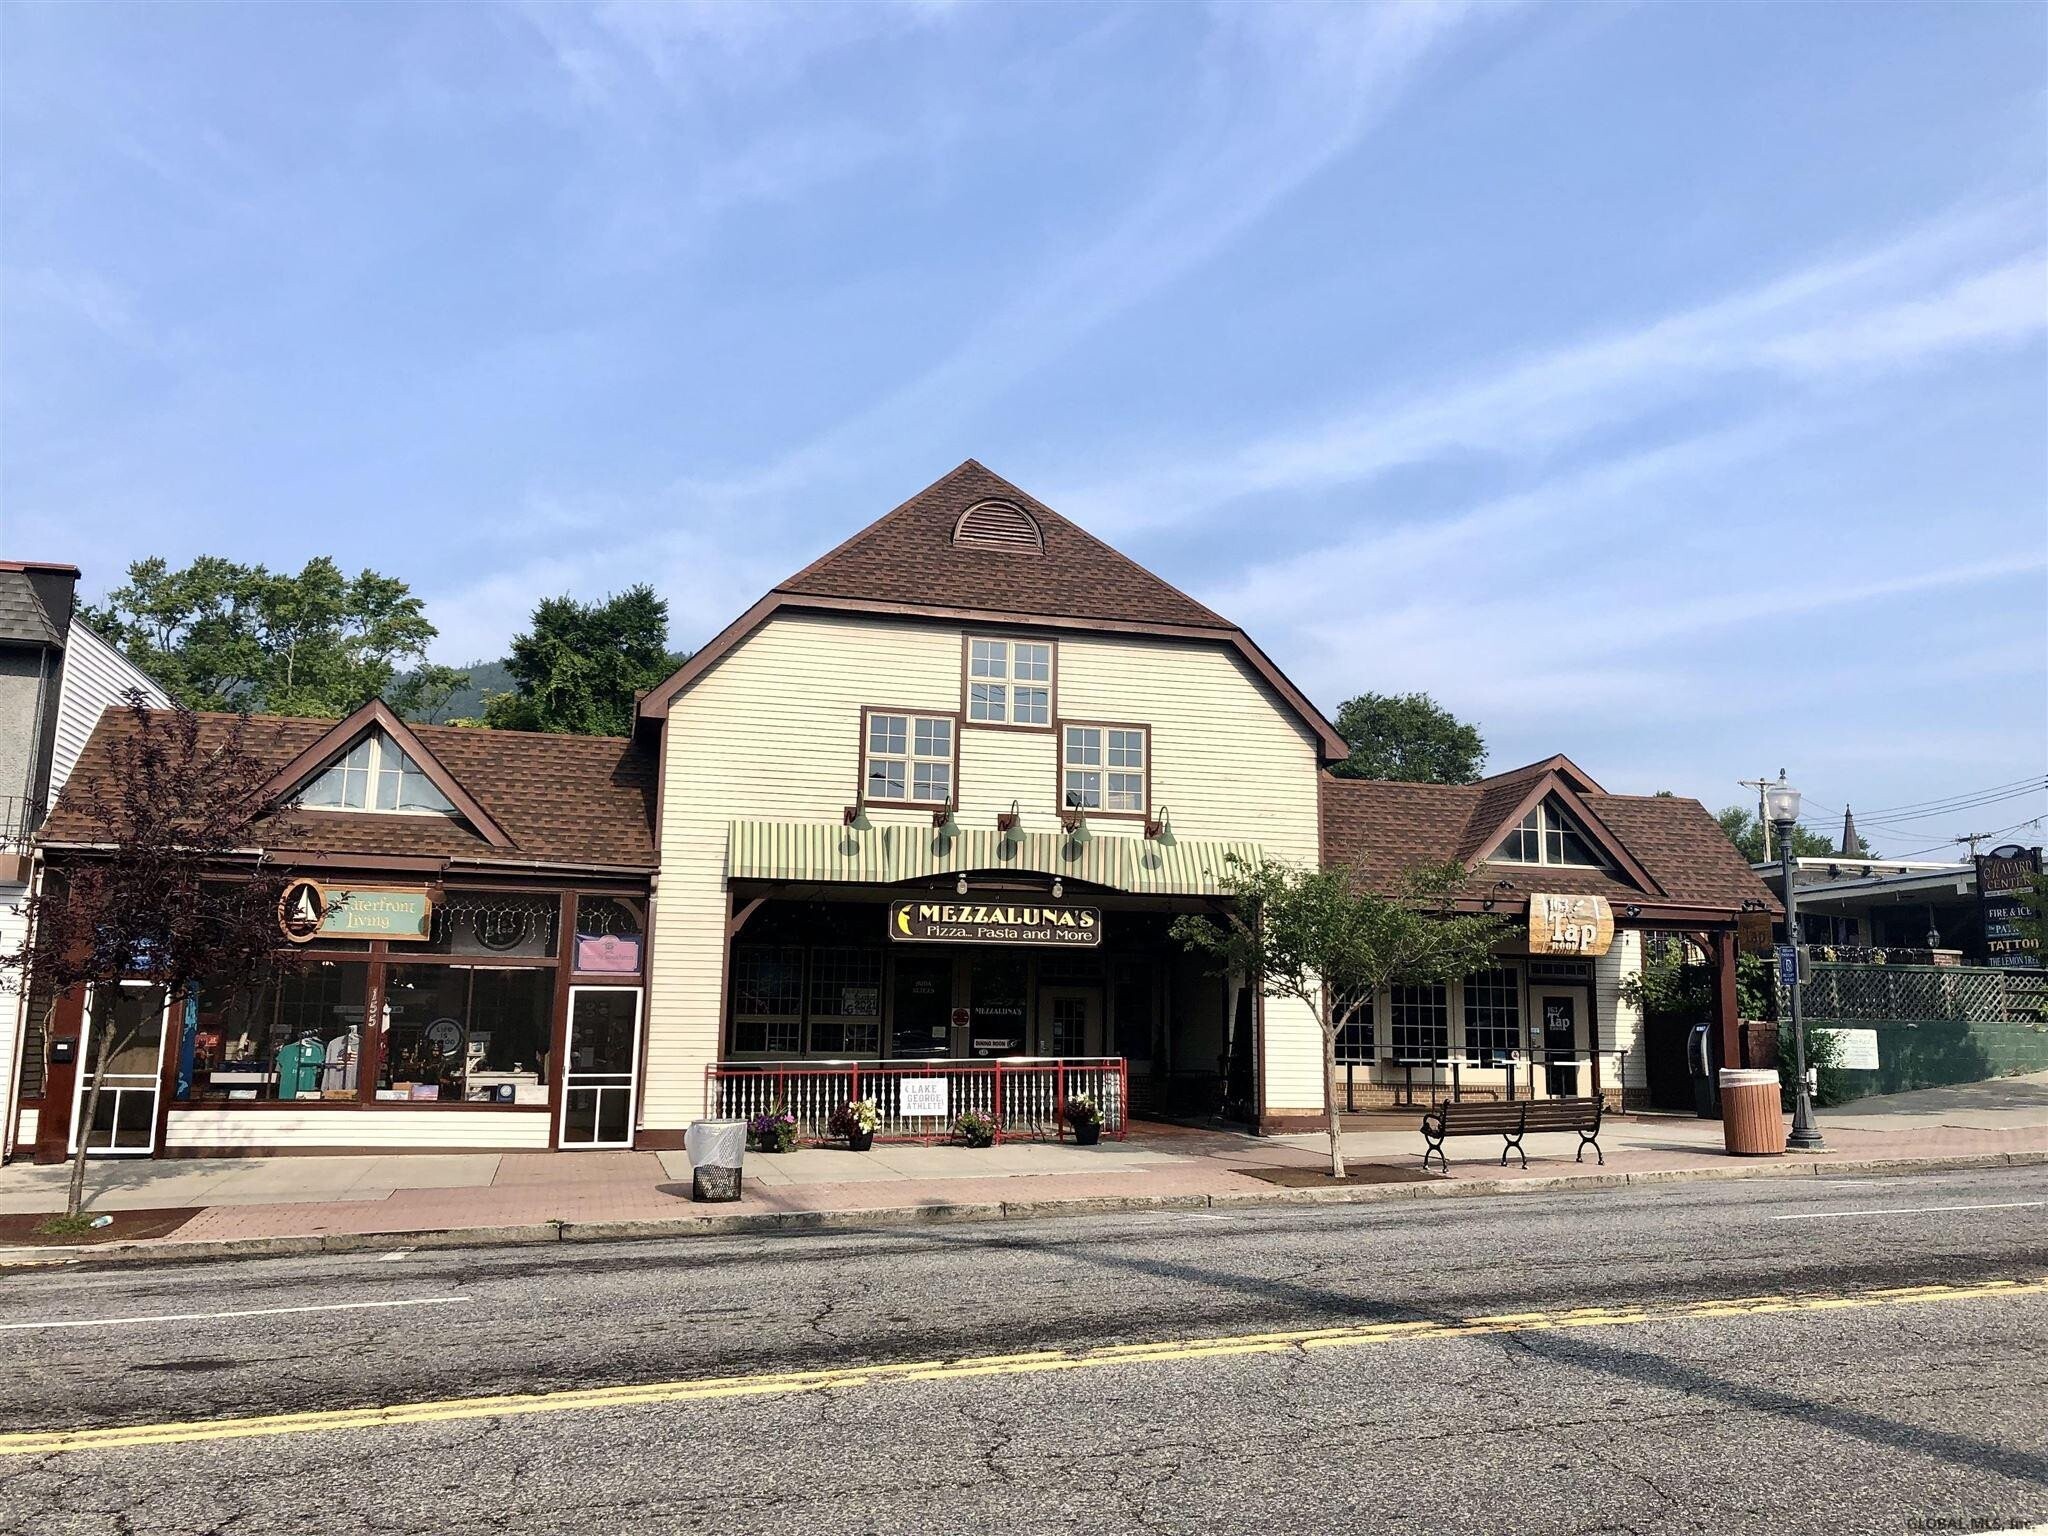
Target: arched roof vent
999, 525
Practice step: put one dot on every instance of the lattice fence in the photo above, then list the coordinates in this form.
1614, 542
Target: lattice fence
1968, 993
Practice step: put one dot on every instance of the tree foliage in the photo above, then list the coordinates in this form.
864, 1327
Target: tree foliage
1320, 937
173, 811
581, 666
1410, 737
220, 635
1747, 834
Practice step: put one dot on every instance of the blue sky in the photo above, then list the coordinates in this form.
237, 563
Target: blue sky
1665, 385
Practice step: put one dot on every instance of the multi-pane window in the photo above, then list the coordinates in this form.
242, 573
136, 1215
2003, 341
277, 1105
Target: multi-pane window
1493, 1016
846, 1001
768, 998
1009, 682
375, 775
1547, 836
1103, 768
909, 757
1354, 1039
1420, 1019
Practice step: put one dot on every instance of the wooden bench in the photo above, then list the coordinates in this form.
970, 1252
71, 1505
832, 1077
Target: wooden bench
1511, 1122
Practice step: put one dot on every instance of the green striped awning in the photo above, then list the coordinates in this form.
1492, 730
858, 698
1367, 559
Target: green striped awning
819, 852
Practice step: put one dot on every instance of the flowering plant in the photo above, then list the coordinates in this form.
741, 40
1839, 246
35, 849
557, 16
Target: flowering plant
856, 1115
772, 1132
975, 1130
1080, 1111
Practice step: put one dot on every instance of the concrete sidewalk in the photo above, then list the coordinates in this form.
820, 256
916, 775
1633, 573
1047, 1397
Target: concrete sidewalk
482, 1197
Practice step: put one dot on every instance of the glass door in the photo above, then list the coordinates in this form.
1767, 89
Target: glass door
124, 1121
1559, 1012
600, 1072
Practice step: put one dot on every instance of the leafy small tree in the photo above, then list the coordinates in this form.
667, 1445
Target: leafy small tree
1321, 937
168, 896
1410, 737
581, 667
221, 635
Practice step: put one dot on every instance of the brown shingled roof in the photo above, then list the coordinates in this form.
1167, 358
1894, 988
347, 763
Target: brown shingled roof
909, 556
1383, 829
559, 799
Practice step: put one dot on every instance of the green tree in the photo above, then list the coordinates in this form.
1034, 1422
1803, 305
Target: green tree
1410, 737
1320, 937
1747, 834
220, 635
580, 667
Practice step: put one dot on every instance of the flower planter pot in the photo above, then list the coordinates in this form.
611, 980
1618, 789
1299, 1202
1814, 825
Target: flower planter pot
1088, 1135
860, 1141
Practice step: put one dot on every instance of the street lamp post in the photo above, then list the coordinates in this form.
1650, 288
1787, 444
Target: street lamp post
1781, 802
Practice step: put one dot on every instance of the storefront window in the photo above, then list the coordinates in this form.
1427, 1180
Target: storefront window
1420, 1018
1493, 1016
467, 1033
299, 1038
767, 998
1130, 1007
1354, 1040
473, 923
610, 933
846, 1001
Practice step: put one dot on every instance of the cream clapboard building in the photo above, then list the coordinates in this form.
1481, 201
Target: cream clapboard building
915, 826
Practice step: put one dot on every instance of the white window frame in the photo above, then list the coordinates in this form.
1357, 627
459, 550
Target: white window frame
1546, 827
1003, 676
914, 756
1106, 746
377, 742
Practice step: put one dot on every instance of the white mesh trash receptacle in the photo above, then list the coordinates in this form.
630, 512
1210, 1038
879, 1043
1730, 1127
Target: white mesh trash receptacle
718, 1149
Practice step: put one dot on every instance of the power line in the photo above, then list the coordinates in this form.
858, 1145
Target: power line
2031, 782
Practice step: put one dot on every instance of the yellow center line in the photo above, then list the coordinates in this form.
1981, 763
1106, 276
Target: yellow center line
1036, 1362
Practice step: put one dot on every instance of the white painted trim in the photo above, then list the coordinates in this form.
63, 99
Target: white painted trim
156, 1087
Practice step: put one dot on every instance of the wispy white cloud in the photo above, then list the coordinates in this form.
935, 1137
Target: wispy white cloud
1952, 285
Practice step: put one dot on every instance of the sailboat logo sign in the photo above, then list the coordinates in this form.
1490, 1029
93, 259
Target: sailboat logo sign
309, 911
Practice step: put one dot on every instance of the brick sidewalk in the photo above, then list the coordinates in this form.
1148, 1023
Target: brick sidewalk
531, 1196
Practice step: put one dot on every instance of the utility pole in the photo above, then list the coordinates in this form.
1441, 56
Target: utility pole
1762, 819
1973, 839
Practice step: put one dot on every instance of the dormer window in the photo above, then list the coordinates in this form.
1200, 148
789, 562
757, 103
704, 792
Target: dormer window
1548, 835
376, 775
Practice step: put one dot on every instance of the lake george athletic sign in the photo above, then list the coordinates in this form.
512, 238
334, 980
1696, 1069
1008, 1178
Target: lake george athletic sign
969, 922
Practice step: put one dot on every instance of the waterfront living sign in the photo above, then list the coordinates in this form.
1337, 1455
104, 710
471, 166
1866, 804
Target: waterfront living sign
1570, 925
309, 911
2004, 876
971, 922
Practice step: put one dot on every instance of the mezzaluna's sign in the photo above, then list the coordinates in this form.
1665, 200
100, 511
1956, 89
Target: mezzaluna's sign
971, 922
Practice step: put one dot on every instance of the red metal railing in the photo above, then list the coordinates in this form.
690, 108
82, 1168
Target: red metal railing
1020, 1095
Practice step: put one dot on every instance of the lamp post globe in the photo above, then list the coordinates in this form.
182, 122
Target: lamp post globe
1781, 804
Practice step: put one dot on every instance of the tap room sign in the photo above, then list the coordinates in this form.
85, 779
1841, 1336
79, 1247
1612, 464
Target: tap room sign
1570, 925
973, 922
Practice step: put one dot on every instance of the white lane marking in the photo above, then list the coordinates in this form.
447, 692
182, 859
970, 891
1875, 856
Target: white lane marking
202, 1317
1910, 1210
387, 1258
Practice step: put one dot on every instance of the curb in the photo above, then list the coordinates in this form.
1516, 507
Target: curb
740, 1223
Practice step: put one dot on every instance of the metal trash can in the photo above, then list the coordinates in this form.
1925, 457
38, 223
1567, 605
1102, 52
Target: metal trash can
718, 1151
1752, 1125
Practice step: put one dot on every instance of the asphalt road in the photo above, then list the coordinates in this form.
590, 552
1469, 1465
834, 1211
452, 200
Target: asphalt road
1664, 1413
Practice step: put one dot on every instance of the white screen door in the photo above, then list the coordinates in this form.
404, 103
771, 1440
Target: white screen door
600, 1068
124, 1123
